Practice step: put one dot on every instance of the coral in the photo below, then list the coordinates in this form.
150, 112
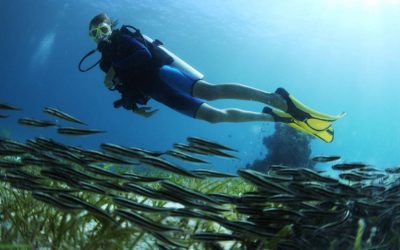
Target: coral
285, 146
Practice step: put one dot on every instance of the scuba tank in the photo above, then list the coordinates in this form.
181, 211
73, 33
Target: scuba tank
177, 62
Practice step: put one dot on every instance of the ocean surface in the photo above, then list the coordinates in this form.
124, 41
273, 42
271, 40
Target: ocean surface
332, 55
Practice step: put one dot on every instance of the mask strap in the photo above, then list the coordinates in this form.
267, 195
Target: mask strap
83, 59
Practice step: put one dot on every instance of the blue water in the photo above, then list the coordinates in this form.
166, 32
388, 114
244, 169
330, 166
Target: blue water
333, 55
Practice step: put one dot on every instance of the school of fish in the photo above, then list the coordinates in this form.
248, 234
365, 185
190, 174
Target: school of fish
292, 208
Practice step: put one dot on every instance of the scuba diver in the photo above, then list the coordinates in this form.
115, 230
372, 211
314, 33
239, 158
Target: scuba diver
141, 69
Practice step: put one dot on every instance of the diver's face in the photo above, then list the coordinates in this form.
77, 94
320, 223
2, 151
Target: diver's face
100, 32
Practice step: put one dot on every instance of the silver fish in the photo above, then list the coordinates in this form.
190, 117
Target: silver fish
211, 173
197, 149
58, 176
211, 151
187, 213
252, 210
189, 149
374, 188
92, 188
80, 175
165, 165
215, 237
349, 166
36, 146
144, 191
189, 202
11, 152
78, 131
252, 198
19, 184
8, 107
140, 178
393, 170
276, 167
325, 158
54, 163
102, 157
62, 115
51, 144
49, 190
293, 172
223, 198
8, 164
166, 240
18, 179
111, 185
323, 192
14, 144
208, 143
146, 152
49, 199
35, 123
244, 227
138, 206
120, 150
23, 173
368, 169
287, 198
342, 220
71, 157
103, 172
172, 187
311, 174
145, 223
351, 177
322, 213
182, 156
258, 179
99, 213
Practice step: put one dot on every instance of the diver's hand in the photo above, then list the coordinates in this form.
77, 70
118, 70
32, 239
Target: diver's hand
108, 80
111, 80
145, 111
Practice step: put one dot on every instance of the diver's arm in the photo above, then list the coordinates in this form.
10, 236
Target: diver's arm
128, 103
110, 80
145, 112
140, 56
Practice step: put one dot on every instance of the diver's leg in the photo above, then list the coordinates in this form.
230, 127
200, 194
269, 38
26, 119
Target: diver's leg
208, 91
214, 115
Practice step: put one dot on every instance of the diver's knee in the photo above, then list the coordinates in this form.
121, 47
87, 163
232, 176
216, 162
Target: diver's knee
210, 118
210, 114
215, 119
205, 90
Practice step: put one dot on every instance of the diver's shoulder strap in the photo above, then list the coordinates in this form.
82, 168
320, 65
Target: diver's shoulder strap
137, 34
130, 27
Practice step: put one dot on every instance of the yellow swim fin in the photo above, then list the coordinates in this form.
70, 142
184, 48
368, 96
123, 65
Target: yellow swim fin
326, 135
315, 120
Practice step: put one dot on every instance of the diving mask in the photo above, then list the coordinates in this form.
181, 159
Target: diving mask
100, 32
